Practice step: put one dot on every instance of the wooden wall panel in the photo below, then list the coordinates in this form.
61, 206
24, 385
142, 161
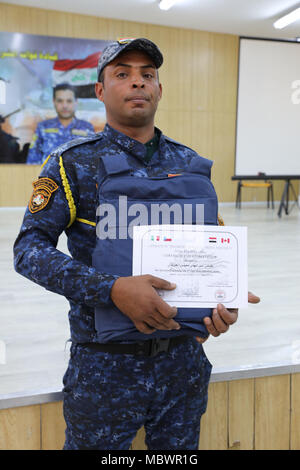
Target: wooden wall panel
241, 415
272, 413
16, 184
214, 424
295, 412
52, 426
20, 428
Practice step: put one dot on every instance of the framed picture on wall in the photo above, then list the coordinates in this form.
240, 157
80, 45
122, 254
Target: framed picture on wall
32, 67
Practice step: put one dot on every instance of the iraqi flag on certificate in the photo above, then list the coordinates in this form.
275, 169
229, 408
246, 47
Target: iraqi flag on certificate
80, 73
212, 239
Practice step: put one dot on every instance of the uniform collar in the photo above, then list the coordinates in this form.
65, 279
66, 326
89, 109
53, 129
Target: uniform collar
128, 144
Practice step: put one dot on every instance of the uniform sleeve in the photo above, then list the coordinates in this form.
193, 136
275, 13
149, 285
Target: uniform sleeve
36, 256
35, 152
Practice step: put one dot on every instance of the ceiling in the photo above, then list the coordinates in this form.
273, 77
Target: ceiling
241, 17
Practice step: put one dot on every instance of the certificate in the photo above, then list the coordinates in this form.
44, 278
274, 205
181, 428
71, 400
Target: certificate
207, 263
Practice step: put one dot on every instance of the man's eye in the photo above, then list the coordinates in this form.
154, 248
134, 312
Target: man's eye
122, 74
148, 75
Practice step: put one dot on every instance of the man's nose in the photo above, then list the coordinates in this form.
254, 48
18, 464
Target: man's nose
135, 85
138, 81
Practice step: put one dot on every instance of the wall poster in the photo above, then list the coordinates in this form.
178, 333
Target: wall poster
31, 66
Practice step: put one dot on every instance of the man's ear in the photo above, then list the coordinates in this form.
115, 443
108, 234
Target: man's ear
99, 90
160, 88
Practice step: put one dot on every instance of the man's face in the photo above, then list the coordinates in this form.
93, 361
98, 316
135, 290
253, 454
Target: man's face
65, 104
131, 90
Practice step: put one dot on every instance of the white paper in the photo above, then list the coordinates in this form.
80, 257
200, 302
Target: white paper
207, 263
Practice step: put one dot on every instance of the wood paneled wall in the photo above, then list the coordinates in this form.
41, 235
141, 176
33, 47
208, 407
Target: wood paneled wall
199, 79
260, 414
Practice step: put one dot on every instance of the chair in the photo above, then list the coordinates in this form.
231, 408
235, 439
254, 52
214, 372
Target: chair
266, 184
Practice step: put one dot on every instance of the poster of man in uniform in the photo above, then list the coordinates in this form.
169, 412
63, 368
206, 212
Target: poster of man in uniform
46, 94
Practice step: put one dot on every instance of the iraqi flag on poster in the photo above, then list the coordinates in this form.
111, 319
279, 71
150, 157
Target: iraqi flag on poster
80, 73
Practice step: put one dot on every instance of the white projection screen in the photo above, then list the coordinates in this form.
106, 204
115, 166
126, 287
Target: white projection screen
268, 110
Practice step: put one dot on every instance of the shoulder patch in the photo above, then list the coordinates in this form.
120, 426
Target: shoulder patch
50, 130
75, 143
42, 192
80, 132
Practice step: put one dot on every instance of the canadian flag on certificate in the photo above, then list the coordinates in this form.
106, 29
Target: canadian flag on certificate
225, 240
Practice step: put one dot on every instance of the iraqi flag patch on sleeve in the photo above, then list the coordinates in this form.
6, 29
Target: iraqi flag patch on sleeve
42, 192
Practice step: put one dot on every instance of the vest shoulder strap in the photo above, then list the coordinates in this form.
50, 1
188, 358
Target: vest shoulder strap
200, 165
116, 164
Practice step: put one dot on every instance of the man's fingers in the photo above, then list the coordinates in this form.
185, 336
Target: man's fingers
220, 320
210, 326
201, 340
252, 298
137, 297
159, 283
164, 308
143, 327
220, 325
229, 316
168, 323
160, 323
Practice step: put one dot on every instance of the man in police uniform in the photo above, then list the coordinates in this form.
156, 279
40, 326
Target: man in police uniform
111, 390
51, 133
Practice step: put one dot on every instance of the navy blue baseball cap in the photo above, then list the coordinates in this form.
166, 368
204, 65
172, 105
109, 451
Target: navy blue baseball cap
141, 44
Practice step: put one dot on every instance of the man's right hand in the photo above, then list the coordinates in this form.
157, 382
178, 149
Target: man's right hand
137, 298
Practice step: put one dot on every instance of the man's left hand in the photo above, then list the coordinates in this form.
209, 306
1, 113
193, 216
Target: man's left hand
222, 318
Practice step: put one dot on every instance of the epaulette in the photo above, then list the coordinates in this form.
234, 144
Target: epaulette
177, 143
75, 143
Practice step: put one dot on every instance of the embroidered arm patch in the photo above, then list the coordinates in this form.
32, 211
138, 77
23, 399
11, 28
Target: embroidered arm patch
42, 191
